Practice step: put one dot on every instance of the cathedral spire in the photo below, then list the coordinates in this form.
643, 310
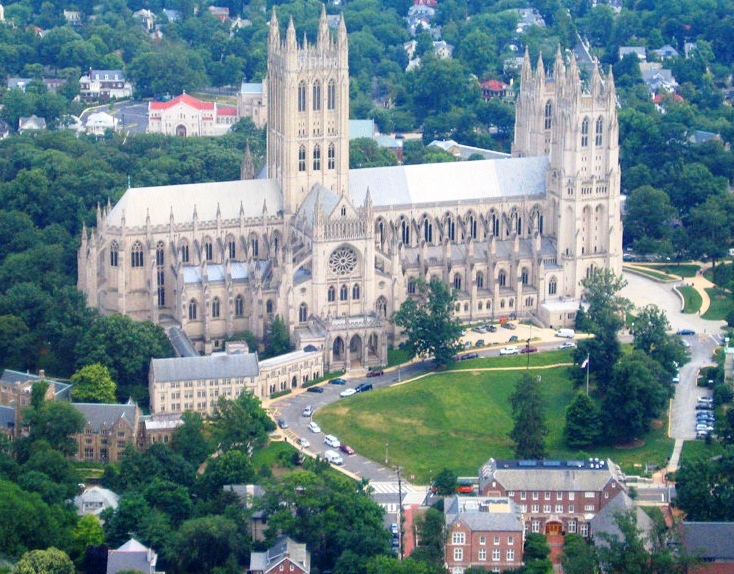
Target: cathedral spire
247, 169
527, 70
573, 76
609, 88
323, 36
290, 35
540, 69
559, 69
342, 37
596, 83
274, 33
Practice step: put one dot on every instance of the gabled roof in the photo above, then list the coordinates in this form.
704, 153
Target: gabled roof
184, 99
217, 366
10, 377
131, 556
606, 520
96, 494
104, 416
494, 85
284, 547
710, 541
484, 513
551, 475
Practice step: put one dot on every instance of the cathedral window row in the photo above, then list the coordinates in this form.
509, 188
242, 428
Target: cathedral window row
316, 96
136, 255
598, 132
316, 157
343, 293
216, 312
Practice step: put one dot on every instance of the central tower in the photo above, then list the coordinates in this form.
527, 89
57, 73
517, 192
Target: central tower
308, 111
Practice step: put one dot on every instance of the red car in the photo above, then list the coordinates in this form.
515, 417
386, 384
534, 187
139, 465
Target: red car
346, 449
529, 349
377, 373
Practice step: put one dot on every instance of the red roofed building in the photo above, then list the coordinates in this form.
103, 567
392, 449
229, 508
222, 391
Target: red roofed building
496, 89
186, 116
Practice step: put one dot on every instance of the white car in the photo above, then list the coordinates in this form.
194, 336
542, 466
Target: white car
303, 442
313, 427
332, 441
509, 351
308, 411
348, 393
567, 345
706, 400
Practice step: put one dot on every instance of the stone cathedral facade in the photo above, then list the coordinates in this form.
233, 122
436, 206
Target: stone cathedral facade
335, 251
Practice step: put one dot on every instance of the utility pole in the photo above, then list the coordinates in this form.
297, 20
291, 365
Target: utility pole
400, 514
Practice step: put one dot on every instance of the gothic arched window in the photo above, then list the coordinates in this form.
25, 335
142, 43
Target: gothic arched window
548, 114
136, 255
232, 248
585, 132
331, 95
114, 254
316, 157
303, 313
208, 250
192, 310
599, 131
159, 251
184, 252
405, 232
502, 278
480, 280
216, 308
524, 276
331, 294
302, 158
302, 97
343, 293
427, 231
316, 96
269, 307
451, 229
552, 286
411, 286
239, 306
355, 291
331, 156
457, 281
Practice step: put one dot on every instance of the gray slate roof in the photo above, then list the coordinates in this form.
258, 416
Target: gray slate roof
709, 540
283, 546
605, 520
478, 513
449, 182
131, 556
61, 390
103, 416
550, 475
7, 417
217, 366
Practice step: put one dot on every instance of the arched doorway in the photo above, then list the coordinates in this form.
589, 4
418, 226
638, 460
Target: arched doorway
372, 346
181, 130
338, 350
553, 528
355, 350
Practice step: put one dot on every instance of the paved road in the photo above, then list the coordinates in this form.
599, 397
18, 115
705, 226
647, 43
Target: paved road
133, 115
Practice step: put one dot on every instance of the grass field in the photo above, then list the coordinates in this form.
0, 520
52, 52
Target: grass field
721, 304
459, 418
397, 357
682, 270
691, 298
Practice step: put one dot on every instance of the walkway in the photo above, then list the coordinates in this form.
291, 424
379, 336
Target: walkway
699, 282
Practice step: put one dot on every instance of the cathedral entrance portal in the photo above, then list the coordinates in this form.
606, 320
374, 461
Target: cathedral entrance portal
338, 350
372, 346
181, 131
355, 351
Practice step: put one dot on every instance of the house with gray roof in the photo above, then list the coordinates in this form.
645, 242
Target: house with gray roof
286, 555
95, 500
484, 532
132, 556
603, 526
712, 543
15, 393
555, 496
109, 429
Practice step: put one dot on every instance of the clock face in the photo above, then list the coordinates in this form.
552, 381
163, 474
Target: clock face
343, 261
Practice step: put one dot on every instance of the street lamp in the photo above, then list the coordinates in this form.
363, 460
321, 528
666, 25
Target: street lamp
386, 459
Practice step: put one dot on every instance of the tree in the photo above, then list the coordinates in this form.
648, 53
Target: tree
231, 467
431, 537
650, 332
648, 220
528, 413
536, 554
579, 557
189, 441
583, 426
87, 532
56, 423
445, 482
429, 323
26, 522
277, 339
49, 561
93, 384
704, 488
203, 544
240, 423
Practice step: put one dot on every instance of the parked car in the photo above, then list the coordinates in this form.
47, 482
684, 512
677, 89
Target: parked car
509, 351
705, 399
686, 332
347, 393
512, 339
375, 373
479, 343
333, 457
332, 441
308, 411
337, 381
346, 449
566, 333
363, 387
282, 423
676, 379
313, 427
394, 529
465, 488
303, 442
508, 325
467, 356
491, 328
567, 345
479, 330
704, 407
528, 349
315, 389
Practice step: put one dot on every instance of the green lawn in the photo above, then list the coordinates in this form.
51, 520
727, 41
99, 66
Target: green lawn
692, 299
681, 270
695, 449
460, 419
397, 357
721, 304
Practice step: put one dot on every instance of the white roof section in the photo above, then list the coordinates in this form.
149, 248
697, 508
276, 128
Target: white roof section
449, 182
181, 200
285, 358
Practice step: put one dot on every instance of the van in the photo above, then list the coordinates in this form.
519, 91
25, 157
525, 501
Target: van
332, 441
333, 457
566, 333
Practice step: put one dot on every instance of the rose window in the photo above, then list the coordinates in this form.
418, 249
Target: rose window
343, 261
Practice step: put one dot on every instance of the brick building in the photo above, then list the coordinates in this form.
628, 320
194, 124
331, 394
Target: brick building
109, 429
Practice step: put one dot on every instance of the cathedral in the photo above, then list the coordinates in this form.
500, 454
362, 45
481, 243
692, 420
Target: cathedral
335, 251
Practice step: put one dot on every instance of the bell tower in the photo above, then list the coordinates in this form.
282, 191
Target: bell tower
574, 123
308, 111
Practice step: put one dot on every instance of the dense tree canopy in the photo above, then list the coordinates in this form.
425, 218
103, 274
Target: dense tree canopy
528, 415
